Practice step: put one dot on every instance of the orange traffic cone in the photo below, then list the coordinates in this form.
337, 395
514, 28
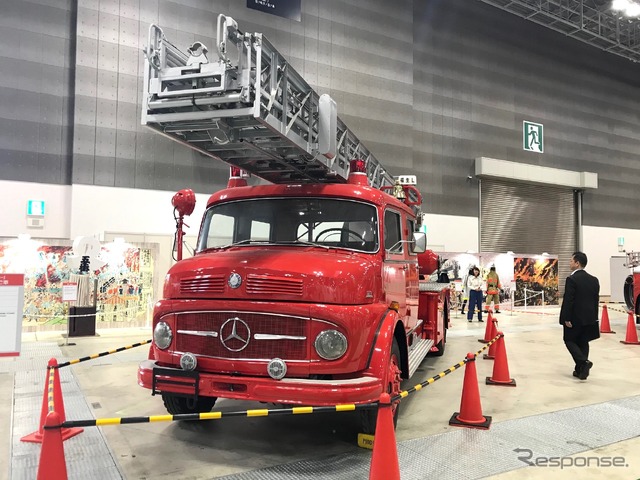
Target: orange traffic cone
604, 321
500, 375
491, 354
52, 465
489, 331
470, 414
632, 333
384, 460
58, 402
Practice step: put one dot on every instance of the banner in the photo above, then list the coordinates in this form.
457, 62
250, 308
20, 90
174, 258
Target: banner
283, 8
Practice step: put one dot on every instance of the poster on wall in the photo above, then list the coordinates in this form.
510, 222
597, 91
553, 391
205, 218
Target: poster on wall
125, 282
536, 281
290, 9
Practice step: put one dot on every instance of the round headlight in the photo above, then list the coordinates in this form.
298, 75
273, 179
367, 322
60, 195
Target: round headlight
331, 344
162, 335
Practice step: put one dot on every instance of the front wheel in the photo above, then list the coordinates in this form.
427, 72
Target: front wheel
176, 405
369, 417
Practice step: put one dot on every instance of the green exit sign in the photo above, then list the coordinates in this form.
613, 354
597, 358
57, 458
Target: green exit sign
35, 208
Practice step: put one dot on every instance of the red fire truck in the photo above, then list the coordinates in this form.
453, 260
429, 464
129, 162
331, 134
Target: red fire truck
311, 290
631, 286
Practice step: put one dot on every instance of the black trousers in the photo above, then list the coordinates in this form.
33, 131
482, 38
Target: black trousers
577, 341
579, 350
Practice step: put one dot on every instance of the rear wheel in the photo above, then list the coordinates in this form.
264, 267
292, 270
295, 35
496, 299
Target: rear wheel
178, 405
369, 417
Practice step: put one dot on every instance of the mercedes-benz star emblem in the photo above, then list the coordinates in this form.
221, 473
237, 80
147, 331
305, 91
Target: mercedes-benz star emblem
235, 280
235, 334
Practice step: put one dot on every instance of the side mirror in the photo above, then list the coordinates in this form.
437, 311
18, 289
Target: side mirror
419, 242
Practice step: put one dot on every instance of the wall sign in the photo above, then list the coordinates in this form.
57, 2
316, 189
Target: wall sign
11, 305
532, 134
283, 8
35, 207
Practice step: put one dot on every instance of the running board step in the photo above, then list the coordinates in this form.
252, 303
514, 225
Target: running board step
418, 351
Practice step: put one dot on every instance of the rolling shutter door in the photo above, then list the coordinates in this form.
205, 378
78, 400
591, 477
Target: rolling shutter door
526, 218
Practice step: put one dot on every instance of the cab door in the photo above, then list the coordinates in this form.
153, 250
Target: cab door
395, 269
412, 279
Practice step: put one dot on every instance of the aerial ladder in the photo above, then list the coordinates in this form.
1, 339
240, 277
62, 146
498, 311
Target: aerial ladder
250, 109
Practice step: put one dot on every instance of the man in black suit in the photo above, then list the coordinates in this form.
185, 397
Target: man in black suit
579, 314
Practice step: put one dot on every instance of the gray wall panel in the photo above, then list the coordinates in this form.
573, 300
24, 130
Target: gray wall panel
84, 143
587, 101
340, 54
105, 170
427, 86
85, 111
125, 172
105, 145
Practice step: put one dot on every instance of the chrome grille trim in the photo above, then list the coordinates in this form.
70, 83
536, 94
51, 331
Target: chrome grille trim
198, 333
267, 336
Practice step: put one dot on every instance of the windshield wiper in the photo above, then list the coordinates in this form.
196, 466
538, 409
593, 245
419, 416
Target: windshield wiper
246, 241
305, 242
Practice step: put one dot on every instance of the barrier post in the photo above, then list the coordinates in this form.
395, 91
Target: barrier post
52, 465
37, 436
470, 414
605, 327
384, 459
632, 334
500, 375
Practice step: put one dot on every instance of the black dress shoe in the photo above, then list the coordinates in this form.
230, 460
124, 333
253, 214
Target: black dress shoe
575, 373
481, 320
584, 371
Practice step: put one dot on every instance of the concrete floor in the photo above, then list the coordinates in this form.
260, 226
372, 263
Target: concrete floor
538, 361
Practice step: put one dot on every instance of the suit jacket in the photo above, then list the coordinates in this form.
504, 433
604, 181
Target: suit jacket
580, 301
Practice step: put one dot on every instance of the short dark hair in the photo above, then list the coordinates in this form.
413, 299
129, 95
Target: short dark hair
581, 258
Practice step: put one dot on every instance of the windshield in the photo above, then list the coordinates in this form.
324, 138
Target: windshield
318, 221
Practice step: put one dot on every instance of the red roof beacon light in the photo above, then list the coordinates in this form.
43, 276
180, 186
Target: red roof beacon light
358, 172
236, 178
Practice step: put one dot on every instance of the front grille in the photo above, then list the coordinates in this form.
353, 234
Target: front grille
262, 284
258, 323
203, 284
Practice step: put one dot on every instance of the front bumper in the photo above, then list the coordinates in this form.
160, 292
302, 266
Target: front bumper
294, 391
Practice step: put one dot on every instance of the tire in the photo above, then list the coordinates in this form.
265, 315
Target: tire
178, 405
369, 417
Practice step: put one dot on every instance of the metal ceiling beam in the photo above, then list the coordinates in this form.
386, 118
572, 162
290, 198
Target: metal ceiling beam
589, 21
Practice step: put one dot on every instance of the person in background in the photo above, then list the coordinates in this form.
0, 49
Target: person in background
465, 290
579, 314
475, 284
493, 290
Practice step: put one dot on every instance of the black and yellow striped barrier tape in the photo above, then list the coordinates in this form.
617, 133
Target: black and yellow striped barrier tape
453, 368
265, 412
621, 310
102, 354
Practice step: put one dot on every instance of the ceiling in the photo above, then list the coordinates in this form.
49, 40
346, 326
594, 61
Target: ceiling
590, 21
